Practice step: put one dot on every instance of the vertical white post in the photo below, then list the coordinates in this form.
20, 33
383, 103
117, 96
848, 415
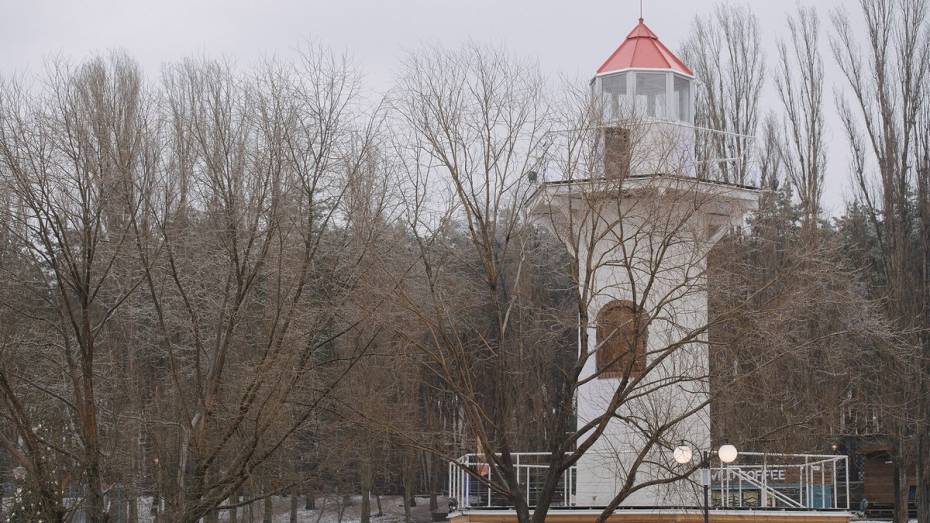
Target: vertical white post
846, 469
568, 487
740, 491
765, 481
571, 488
671, 101
823, 486
489, 483
565, 488
800, 485
725, 471
631, 86
468, 489
805, 495
810, 486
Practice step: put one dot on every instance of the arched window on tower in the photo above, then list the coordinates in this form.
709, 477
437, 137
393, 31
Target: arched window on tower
622, 330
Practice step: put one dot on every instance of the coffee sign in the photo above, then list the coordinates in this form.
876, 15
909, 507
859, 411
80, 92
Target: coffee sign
733, 474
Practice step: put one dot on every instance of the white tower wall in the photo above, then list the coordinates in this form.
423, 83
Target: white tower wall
677, 304
652, 241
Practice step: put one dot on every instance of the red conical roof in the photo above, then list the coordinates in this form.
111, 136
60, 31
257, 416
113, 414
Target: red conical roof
643, 50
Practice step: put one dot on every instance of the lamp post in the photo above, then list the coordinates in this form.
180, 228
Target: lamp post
684, 454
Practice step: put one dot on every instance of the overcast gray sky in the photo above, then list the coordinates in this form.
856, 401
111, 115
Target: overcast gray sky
568, 38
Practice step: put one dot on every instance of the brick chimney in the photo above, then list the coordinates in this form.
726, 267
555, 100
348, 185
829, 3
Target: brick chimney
616, 153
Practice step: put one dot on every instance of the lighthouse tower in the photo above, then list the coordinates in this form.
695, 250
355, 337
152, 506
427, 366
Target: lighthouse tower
641, 226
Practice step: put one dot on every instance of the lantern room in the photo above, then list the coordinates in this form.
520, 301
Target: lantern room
645, 78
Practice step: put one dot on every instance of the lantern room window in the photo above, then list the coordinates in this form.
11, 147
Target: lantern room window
614, 89
651, 94
657, 95
683, 98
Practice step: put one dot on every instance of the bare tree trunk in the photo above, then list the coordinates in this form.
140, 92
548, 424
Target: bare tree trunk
133, 512
319, 515
268, 509
900, 490
248, 511
433, 484
212, 516
408, 479
365, 510
343, 503
407, 511
233, 512
294, 501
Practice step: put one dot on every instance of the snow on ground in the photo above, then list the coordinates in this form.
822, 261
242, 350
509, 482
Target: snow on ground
328, 509
392, 511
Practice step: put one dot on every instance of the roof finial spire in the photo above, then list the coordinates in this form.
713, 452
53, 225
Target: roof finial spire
640, 10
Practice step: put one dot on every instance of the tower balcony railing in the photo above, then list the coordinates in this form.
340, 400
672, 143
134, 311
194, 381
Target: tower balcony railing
756, 480
654, 146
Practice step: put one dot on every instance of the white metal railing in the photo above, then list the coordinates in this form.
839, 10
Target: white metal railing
766, 480
658, 146
754, 480
531, 469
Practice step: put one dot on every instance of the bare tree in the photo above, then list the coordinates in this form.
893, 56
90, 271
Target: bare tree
886, 84
245, 228
183, 260
69, 156
725, 52
800, 89
768, 151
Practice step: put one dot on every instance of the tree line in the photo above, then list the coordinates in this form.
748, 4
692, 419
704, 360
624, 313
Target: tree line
224, 285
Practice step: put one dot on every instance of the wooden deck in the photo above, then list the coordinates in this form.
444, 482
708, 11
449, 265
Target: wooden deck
660, 516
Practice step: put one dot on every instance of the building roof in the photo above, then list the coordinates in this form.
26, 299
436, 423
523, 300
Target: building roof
642, 49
